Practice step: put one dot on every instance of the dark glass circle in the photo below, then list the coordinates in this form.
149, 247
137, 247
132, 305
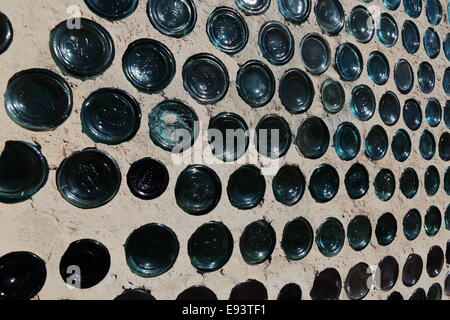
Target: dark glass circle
147, 178
110, 116
210, 246
313, 137
296, 91
426, 77
395, 296
386, 229
431, 180
446, 81
330, 237
376, 143
447, 284
361, 24
252, 7
246, 187
205, 78
23, 171
6, 33
391, 4
294, 11
356, 181
249, 290
22, 275
198, 190
297, 238
255, 83
135, 295
227, 30
197, 293
83, 52
387, 273
357, 282
347, 141
276, 128
418, 294
276, 42
444, 146
432, 222
412, 270
89, 178
228, 136
151, 250
433, 112
349, 62
389, 108
173, 126
409, 183
412, 114
384, 184
413, 7
412, 223
315, 53
84, 264
288, 185
332, 95
427, 145
410, 37
433, 10
435, 261
446, 46
290, 292
257, 242
362, 102
324, 183
327, 285
378, 67
359, 232
173, 18
434, 292
447, 181
403, 76
329, 16
431, 43
149, 65
387, 33
112, 10
38, 99
447, 226
401, 145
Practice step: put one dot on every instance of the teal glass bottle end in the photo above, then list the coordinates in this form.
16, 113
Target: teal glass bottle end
110, 116
324, 183
386, 229
112, 10
246, 187
173, 18
288, 185
151, 250
89, 178
23, 171
198, 190
210, 246
359, 232
332, 96
330, 237
297, 238
257, 242
173, 126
